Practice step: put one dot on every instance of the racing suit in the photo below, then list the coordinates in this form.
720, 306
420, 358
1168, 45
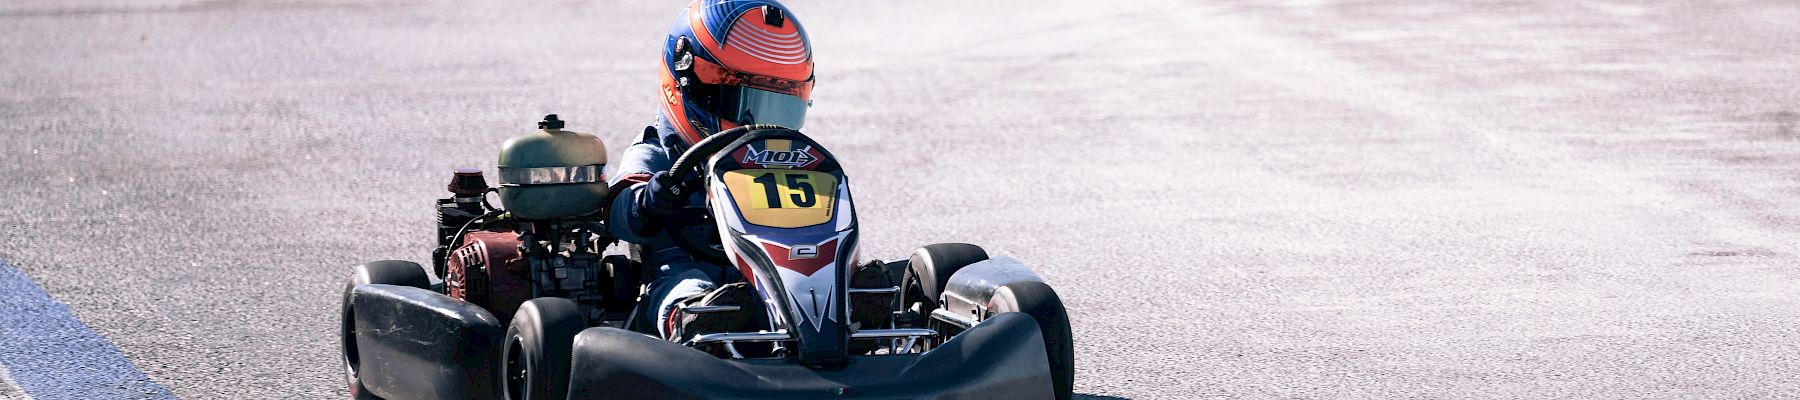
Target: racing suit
678, 276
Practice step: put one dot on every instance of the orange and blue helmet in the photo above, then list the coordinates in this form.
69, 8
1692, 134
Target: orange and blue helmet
729, 63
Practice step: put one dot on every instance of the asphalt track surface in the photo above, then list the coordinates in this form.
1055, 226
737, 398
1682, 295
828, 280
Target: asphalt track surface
1324, 199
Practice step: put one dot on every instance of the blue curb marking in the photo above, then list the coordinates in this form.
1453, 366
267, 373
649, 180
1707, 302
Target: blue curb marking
53, 356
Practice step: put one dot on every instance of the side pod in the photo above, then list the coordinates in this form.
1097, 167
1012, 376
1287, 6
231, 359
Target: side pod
973, 287
418, 344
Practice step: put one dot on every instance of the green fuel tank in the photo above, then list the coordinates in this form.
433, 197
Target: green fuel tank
552, 173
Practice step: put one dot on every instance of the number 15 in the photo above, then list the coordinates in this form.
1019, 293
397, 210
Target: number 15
805, 198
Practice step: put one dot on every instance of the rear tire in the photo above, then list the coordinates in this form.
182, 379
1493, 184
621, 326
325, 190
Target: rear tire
385, 272
1041, 303
929, 270
535, 357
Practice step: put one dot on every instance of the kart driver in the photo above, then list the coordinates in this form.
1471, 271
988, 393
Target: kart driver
726, 63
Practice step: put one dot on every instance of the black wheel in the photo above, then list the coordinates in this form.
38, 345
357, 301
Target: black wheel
928, 271
1041, 303
386, 272
534, 362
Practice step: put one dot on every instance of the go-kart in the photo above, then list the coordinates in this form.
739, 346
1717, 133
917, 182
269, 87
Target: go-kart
531, 307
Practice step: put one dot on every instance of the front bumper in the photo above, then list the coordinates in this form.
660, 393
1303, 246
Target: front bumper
1002, 358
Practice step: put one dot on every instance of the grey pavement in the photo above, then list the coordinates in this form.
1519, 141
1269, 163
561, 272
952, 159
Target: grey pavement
1303, 198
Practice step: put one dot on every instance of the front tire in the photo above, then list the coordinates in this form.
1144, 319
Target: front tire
385, 272
929, 270
1041, 303
534, 359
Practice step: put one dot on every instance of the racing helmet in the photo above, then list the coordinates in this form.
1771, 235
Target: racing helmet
729, 63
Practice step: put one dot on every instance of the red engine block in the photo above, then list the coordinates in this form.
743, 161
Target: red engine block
489, 271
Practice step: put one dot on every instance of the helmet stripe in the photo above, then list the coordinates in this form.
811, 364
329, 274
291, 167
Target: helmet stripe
756, 36
764, 35
762, 44
786, 55
775, 59
793, 37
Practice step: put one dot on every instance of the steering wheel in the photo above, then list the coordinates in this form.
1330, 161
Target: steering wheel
694, 229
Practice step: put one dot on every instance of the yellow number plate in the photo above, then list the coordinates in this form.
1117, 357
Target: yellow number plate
782, 198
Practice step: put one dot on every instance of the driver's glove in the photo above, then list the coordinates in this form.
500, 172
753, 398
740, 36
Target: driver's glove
659, 199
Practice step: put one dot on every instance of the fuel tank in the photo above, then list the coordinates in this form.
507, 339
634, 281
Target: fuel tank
552, 173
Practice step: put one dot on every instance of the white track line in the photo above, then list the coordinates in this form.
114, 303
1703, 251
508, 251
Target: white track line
8, 389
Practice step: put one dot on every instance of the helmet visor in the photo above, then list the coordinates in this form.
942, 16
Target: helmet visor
747, 106
747, 98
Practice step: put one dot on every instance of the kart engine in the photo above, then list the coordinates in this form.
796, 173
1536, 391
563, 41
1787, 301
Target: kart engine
546, 240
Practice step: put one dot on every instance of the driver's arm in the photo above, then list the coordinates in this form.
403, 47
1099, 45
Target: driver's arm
634, 168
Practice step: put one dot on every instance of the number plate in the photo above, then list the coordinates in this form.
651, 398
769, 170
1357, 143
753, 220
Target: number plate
781, 198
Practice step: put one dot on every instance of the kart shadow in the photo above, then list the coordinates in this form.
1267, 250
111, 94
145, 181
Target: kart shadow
1079, 396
